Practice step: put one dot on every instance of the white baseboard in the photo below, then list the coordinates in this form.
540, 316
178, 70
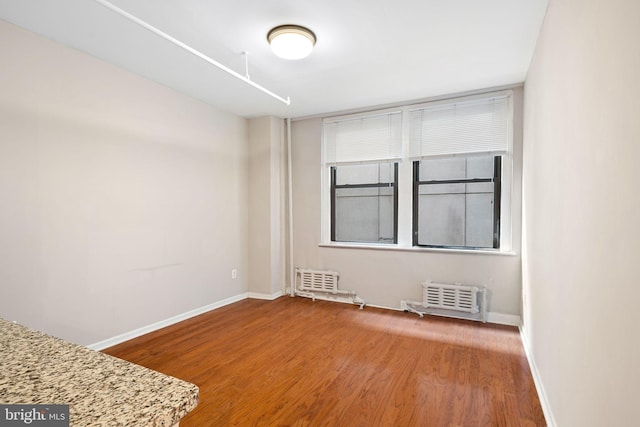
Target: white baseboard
504, 319
542, 395
164, 323
267, 297
178, 318
492, 316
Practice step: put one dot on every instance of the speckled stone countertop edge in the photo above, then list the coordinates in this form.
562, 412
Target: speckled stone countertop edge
101, 390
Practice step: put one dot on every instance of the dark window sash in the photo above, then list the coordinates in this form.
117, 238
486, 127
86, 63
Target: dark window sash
333, 203
370, 185
497, 196
456, 181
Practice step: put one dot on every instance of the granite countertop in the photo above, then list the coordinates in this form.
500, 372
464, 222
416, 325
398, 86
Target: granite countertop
100, 390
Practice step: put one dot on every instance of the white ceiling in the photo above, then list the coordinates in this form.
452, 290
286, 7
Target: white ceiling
368, 53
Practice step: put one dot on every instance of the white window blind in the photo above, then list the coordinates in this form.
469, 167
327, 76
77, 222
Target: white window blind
465, 127
363, 139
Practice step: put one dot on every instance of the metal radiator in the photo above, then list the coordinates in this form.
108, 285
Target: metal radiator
451, 297
310, 283
317, 280
460, 301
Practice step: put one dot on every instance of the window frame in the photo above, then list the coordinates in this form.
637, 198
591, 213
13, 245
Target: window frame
496, 179
334, 186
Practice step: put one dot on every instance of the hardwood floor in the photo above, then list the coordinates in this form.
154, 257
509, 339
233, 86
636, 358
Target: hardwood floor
295, 362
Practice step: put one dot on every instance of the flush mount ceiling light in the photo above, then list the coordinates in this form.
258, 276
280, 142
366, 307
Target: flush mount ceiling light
291, 41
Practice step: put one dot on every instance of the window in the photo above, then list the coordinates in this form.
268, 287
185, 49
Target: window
359, 153
456, 202
434, 175
457, 172
364, 203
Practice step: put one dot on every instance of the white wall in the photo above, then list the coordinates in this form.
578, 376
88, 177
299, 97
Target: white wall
266, 206
581, 206
385, 277
123, 203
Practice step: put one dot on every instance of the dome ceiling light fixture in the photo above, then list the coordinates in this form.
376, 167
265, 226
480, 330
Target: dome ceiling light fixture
291, 41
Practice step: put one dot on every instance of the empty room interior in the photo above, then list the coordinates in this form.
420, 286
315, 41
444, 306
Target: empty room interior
424, 217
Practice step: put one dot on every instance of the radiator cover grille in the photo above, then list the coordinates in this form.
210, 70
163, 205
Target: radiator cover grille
316, 280
451, 297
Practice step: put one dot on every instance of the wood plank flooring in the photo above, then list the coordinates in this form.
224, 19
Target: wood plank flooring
295, 362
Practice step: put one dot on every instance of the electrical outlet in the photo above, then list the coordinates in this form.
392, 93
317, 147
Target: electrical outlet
234, 273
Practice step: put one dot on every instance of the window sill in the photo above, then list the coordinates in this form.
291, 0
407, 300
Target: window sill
414, 249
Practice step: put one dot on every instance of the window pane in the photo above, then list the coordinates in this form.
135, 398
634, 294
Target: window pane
364, 212
441, 220
479, 222
480, 167
441, 169
364, 215
456, 168
455, 218
443, 189
364, 174
458, 214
